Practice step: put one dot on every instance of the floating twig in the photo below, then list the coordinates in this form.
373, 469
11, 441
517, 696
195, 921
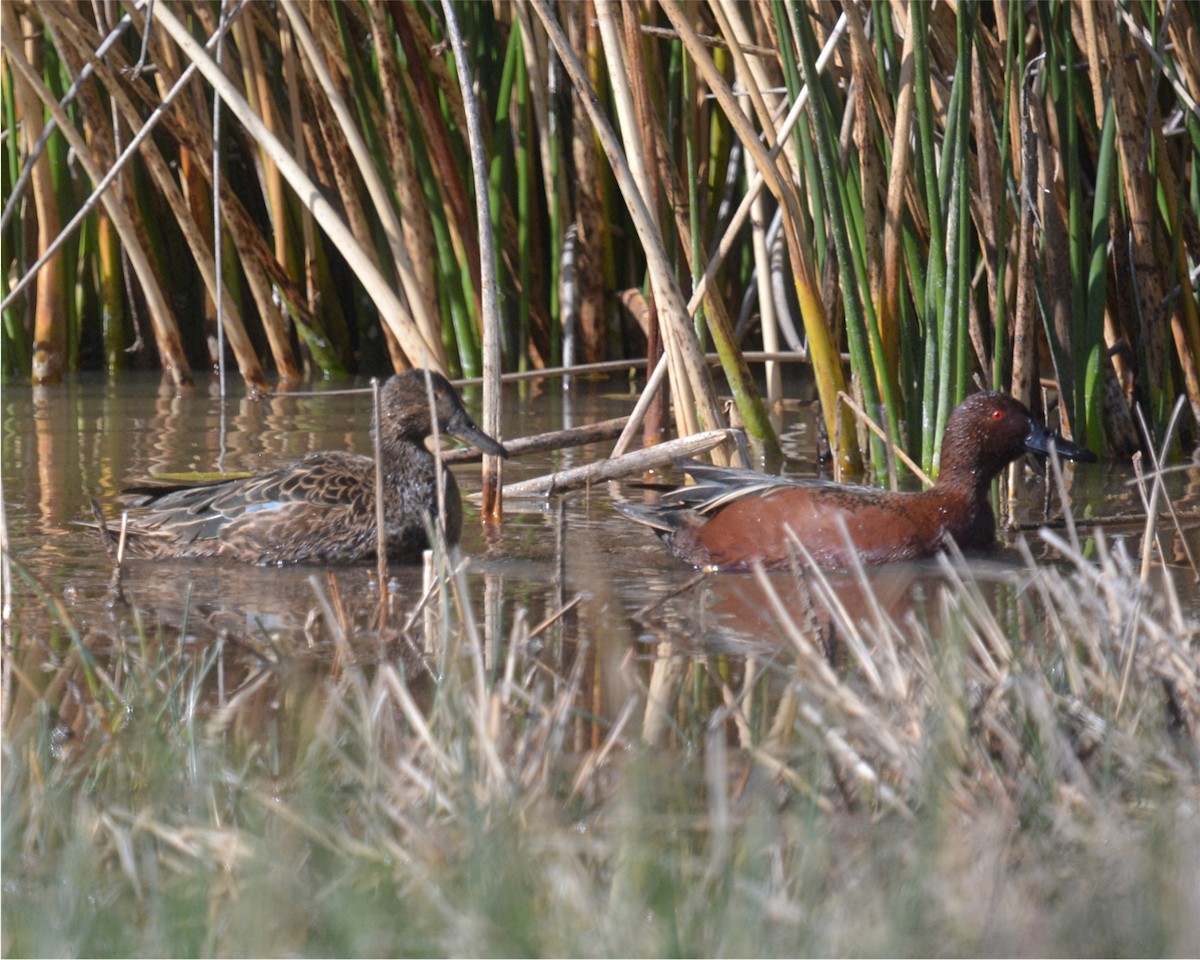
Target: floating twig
552, 440
623, 466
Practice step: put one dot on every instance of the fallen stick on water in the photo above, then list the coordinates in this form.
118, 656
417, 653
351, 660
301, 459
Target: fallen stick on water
616, 467
554, 440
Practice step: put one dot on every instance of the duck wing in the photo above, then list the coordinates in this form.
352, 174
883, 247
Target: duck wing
717, 487
204, 511
714, 489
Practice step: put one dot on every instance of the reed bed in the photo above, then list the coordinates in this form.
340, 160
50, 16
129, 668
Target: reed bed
976, 776
915, 197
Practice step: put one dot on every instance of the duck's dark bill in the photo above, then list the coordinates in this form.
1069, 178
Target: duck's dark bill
464, 428
1039, 439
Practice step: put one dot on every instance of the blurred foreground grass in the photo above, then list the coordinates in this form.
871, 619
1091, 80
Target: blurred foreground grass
1018, 779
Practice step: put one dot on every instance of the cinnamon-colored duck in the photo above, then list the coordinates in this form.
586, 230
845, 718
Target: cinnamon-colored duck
320, 509
731, 518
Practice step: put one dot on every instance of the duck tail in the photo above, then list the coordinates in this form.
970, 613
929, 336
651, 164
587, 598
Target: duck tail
663, 519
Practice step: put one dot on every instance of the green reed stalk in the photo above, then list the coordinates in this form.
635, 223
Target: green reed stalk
813, 225
1089, 423
112, 296
16, 348
553, 201
696, 218
1077, 231
1013, 70
954, 335
1057, 284
525, 213
929, 307
862, 326
500, 177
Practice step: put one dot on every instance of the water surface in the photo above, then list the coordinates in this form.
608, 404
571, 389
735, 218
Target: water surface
89, 438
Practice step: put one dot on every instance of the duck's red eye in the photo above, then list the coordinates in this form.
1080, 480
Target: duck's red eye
997, 414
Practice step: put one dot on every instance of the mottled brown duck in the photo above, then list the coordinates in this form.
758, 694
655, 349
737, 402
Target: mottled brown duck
321, 509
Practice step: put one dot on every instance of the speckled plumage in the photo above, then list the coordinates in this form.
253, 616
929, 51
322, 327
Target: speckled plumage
731, 519
320, 509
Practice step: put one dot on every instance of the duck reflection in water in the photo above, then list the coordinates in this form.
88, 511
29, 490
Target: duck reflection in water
322, 508
731, 519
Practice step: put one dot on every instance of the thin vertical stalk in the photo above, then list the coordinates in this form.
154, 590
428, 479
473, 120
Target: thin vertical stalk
499, 175
1013, 67
542, 79
900, 179
1089, 426
680, 337
953, 338
493, 504
381, 553
1185, 315
1024, 320
112, 300
376, 285
49, 313
166, 331
766, 307
862, 330
525, 213
648, 128
1077, 236
218, 240
935, 274
1137, 195
823, 350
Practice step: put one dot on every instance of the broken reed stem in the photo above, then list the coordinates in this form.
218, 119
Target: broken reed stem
551, 440
614, 468
381, 557
555, 617
883, 435
435, 432
5, 566
653, 382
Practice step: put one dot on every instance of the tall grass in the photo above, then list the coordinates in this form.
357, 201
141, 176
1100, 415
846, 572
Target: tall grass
999, 770
979, 192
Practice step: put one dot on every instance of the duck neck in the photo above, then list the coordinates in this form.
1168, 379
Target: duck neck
400, 451
962, 496
970, 472
961, 476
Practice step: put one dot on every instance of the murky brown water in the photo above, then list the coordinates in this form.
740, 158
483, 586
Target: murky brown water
89, 438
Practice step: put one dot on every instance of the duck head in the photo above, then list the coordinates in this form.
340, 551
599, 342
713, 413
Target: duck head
405, 410
987, 431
